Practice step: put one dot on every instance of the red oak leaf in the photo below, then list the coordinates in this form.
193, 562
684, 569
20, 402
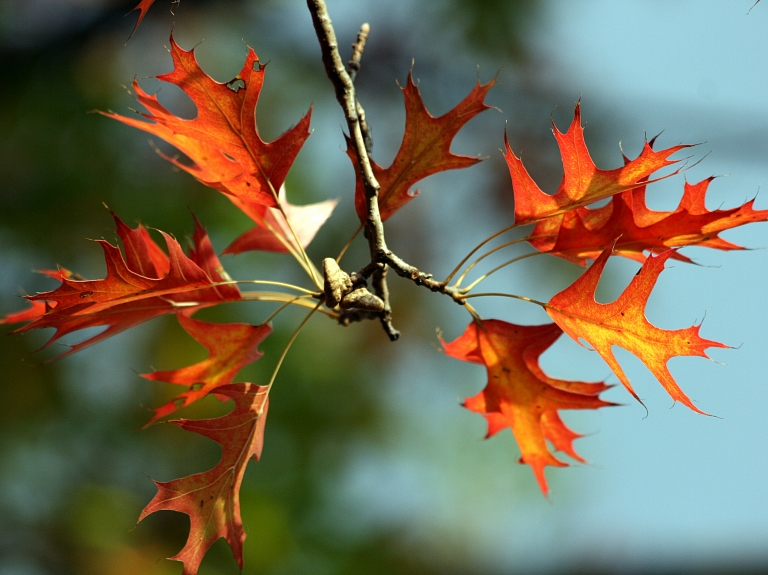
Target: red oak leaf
519, 395
623, 323
425, 149
145, 257
202, 253
222, 141
36, 309
142, 6
212, 499
583, 182
142, 254
272, 233
583, 233
126, 297
230, 346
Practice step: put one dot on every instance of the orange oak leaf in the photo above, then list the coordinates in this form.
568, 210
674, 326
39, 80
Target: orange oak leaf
272, 232
581, 234
519, 395
583, 182
231, 346
35, 308
202, 253
425, 149
145, 257
623, 323
222, 142
142, 7
127, 297
212, 499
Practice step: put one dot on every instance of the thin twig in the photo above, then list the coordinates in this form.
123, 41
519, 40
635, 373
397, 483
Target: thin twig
380, 288
353, 67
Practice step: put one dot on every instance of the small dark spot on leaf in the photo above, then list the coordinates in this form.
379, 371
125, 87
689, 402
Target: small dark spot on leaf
86, 294
202, 503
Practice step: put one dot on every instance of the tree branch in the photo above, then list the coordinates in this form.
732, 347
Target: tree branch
359, 132
353, 67
345, 94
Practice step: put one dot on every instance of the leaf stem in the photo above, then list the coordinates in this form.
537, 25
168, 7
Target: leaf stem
270, 282
497, 268
497, 294
302, 301
289, 344
488, 253
349, 243
281, 308
473, 312
474, 251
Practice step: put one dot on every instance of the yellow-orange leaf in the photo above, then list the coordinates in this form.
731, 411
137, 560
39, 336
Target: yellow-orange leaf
583, 182
623, 323
583, 233
519, 395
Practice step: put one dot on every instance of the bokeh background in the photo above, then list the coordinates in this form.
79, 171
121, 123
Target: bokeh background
370, 464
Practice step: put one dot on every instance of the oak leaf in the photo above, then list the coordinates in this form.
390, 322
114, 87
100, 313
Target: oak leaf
583, 182
127, 297
519, 395
425, 149
623, 323
581, 234
230, 346
212, 499
143, 6
35, 309
272, 232
223, 141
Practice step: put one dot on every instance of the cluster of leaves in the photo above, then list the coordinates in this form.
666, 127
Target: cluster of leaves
225, 152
